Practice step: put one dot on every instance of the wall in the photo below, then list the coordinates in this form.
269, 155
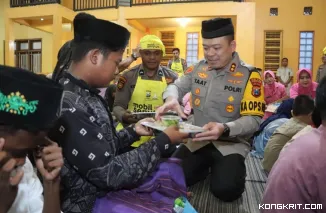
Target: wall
180, 39
245, 13
23, 32
2, 30
291, 20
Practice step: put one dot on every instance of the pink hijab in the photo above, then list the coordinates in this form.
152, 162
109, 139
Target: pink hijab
296, 89
273, 92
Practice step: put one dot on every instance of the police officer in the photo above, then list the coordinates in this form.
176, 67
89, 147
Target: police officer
177, 64
228, 102
322, 68
140, 89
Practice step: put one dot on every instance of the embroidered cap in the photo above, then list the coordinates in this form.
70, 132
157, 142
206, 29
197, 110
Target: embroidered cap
27, 101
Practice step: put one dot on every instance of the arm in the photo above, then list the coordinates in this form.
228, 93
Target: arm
125, 63
250, 118
180, 87
273, 149
290, 77
278, 75
184, 65
169, 64
95, 157
294, 91
318, 75
51, 197
122, 97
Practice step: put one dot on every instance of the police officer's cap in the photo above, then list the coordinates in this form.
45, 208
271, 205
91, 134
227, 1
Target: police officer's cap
111, 35
217, 27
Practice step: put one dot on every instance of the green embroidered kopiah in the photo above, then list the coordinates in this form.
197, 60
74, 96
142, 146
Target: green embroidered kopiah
16, 103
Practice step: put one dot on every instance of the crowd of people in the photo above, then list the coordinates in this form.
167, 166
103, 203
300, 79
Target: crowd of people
82, 129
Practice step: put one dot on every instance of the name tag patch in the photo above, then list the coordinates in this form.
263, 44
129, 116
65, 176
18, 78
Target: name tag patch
232, 89
200, 82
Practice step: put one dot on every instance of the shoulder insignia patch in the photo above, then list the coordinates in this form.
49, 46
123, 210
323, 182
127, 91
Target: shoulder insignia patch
190, 69
121, 83
233, 66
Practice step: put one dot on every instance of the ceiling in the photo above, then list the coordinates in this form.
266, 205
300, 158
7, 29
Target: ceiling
174, 22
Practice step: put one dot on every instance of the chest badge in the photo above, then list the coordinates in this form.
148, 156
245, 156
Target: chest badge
148, 94
256, 87
231, 99
197, 102
234, 81
229, 108
202, 75
237, 74
197, 91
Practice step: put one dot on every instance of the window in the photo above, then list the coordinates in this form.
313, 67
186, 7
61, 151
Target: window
28, 54
273, 11
192, 48
306, 50
272, 50
307, 11
168, 38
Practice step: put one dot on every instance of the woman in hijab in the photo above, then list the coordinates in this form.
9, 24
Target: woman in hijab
274, 92
268, 127
305, 84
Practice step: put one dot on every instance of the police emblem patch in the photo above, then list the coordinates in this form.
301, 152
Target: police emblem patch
256, 87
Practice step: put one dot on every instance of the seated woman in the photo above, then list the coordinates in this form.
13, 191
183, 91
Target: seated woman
268, 127
274, 92
305, 85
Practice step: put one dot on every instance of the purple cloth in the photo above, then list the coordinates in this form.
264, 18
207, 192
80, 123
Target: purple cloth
155, 195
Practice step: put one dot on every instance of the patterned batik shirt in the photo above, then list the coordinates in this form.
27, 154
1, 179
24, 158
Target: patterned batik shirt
93, 165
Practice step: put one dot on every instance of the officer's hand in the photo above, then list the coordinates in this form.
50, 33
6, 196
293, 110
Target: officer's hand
170, 104
175, 135
129, 118
143, 130
213, 132
8, 185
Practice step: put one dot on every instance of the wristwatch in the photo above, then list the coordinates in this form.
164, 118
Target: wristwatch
226, 132
134, 56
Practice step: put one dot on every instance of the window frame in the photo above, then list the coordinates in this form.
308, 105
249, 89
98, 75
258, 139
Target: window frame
312, 51
189, 64
28, 51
